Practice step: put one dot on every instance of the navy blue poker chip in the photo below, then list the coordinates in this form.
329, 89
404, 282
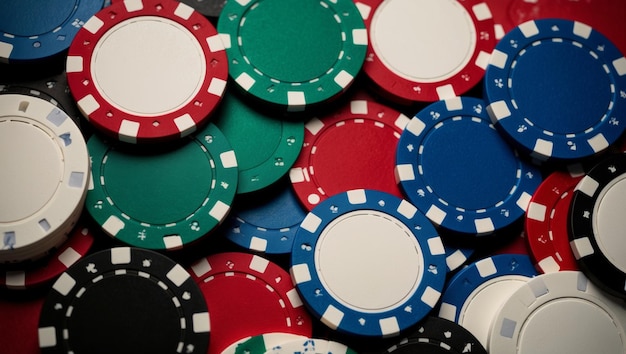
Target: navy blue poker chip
267, 223
457, 256
368, 263
32, 29
474, 294
557, 89
455, 167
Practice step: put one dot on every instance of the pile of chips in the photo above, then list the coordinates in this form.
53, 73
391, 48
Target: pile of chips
334, 176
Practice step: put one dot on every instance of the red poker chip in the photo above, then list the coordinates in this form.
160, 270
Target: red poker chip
605, 16
147, 70
19, 322
77, 246
517, 245
352, 148
546, 222
427, 50
248, 295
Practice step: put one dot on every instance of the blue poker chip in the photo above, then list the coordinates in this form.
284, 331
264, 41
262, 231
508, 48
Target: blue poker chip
557, 89
31, 29
474, 294
368, 263
456, 257
455, 167
267, 223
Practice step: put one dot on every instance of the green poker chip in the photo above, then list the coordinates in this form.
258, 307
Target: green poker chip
162, 199
293, 53
266, 147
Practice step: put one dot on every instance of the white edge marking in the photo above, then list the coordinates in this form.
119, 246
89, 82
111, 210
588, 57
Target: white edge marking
201, 322
359, 36
228, 159
529, 29
178, 275
216, 43
183, 11
74, 64
300, 273
93, 25
332, 317
201, 267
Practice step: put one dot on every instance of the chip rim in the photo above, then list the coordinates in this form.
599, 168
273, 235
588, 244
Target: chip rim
63, 208
547, 241
589, 257
505, 113
255, 268
177, 281
442, 213
368, 324
234, 112
128, 127
440, 332
363, 112
404, 90
78, 245
41, 46
262, 238
531, 297
295, 96
469, 279
175, 234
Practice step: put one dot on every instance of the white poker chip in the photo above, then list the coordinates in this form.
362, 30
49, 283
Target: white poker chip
43, 180
561, 312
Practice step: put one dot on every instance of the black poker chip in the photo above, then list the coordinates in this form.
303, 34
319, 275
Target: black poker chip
597, 224
124, 300
436, 335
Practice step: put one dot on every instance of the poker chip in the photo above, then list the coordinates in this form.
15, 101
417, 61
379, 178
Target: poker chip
44, 176
310, 54
266, 222
248, 295
547, 106
473, 295
90, 310
560, 312
602, 15
514, 243
427, 50
18, 322
209, 8
546, 222
262, 343
52, 88
147, 70
437, 335
597, 222
456, 257
266, 147
32, 30
368, 263
312, 346
352, 148
72, 250
453, 165
196, 184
